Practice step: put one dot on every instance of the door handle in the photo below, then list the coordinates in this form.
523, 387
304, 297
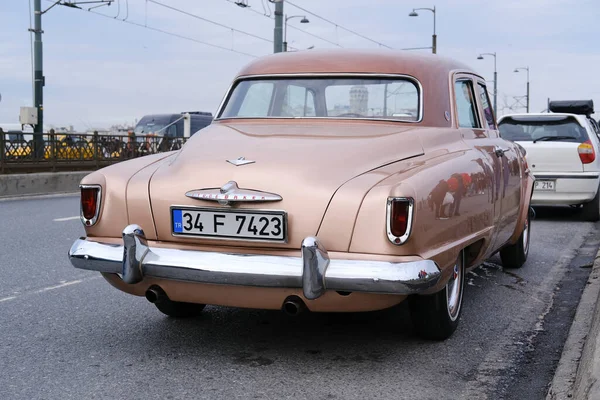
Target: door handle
500, 151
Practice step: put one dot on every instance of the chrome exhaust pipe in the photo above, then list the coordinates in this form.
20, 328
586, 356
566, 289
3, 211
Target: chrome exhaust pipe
293, 306
155, 294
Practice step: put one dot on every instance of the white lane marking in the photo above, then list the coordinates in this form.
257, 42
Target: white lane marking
46, 289
58, 286
65, 219
8, 298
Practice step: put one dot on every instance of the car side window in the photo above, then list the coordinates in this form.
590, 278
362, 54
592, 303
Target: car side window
298, 102
257, 100
487, 109
465, 104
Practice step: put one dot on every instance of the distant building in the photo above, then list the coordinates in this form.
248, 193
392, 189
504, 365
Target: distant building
359, 99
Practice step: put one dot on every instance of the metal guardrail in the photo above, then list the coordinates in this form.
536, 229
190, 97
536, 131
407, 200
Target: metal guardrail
75, 152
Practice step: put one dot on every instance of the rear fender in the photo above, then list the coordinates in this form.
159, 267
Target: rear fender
435, 234
114, 180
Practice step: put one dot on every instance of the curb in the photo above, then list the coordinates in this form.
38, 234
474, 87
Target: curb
579, 366
19, 185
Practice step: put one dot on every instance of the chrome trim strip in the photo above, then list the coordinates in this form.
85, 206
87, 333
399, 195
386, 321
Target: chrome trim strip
312, 271
567, 176
85, 221
406, 235
231, 193
411, 78
244, 210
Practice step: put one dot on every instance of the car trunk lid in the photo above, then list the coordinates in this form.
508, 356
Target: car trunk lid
553, 156
303, 162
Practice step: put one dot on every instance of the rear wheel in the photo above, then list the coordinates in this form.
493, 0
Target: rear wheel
591, 211
178, 309
436, 316
515, 255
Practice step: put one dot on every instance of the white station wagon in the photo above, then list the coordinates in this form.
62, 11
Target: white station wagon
563, 152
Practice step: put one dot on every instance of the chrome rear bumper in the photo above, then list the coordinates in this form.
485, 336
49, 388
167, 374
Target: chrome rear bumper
313, 271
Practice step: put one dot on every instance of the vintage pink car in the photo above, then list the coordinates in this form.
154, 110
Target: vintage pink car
329, 181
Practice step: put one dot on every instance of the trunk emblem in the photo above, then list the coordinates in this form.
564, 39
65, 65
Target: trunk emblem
240, 161
231, 193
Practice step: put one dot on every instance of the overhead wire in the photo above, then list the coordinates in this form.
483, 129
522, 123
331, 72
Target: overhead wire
180, 36
127, 10
209, 21
266, 8
249, 8
173, 34
336, 24
316, 36
289, 26
223, 25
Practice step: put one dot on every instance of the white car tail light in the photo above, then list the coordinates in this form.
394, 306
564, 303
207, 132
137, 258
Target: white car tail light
586, 152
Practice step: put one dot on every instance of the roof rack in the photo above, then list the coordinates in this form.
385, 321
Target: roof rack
198, 113
583, 107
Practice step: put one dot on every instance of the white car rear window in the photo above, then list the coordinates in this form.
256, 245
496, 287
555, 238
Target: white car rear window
528, 129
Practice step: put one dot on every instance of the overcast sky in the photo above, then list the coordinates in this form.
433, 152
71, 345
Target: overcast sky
102, 70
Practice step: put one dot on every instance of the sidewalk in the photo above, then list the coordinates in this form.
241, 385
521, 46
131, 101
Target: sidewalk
578, 373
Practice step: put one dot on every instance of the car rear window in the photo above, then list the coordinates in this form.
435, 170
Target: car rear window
371, 97
528, 129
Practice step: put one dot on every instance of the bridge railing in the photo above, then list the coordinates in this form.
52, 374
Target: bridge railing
74, 151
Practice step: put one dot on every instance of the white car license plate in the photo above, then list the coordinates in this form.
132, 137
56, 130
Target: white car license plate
544, 185
230, 224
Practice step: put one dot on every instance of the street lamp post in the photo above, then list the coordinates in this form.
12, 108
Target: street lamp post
495, 80
304, 20
434, 36
526, 69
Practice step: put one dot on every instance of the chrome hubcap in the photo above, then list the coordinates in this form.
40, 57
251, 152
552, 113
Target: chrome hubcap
453, 291
526, 237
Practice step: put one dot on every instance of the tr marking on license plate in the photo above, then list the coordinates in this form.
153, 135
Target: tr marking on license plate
230, 224
544, 185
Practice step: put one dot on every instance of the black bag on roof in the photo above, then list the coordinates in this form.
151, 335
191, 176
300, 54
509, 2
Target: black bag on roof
584, 107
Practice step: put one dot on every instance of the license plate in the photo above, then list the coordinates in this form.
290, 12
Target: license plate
544, 185
230, 224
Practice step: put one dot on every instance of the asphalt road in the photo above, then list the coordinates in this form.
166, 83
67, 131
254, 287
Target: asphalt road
66, 333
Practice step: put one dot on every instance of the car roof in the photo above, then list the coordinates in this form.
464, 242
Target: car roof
372, 61
431, 70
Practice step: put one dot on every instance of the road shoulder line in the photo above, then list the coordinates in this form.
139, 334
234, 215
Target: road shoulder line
577, 368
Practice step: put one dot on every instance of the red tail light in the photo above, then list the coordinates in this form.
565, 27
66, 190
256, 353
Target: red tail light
400, 213
586, 152
89, 204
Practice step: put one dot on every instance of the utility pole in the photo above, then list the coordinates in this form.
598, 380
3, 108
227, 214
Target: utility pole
526, 69
496, 92
38, 92
39, 80
495, 79
278, 32
528, 91
434, 36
